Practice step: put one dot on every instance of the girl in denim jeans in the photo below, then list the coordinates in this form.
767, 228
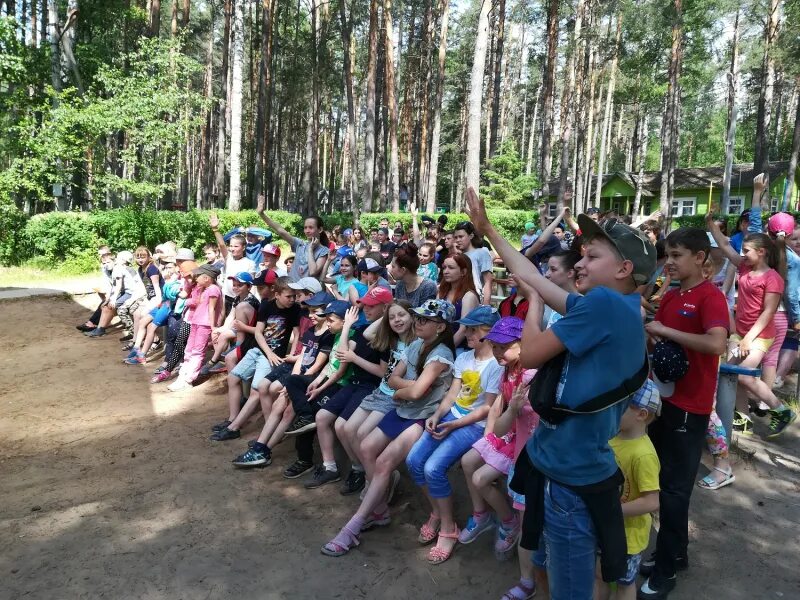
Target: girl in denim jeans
450, 432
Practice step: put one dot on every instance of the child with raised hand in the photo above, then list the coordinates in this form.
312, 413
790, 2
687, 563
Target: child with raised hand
691, 324
207, 314
390, 334
637, 458
317, 343
234, 253
367, 365
420, 382
588, 367
468, 241
761, 272
256, 237
454, 427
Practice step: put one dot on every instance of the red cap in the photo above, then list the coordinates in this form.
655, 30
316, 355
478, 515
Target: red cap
267, 277
377, 295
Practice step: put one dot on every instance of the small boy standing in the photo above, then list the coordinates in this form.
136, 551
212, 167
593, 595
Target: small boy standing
695, 317
638, 461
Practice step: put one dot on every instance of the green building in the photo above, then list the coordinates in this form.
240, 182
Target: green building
691, 191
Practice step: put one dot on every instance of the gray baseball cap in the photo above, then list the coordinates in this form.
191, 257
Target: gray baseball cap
631, 244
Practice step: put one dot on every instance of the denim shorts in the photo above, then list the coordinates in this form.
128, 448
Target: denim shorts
254, 365
280, 372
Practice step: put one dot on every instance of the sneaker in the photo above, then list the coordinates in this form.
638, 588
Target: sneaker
301, 424
506, 539
218, 367
354, 483
778, 382
742, 424
160, 369
475, 527
223, 435
96, 333
160, 377
136, 359
131, 354
322, 476
204, 372
779, 421
647, 564
126, 338
257, 456
297, 469
179, 385
221, 426
85, 328
755, 408
656, 588
394, 481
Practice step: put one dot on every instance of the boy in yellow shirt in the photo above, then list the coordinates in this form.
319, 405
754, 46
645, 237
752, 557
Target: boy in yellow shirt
638, 461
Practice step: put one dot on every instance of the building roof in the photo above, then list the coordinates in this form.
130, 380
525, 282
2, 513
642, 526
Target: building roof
687, 179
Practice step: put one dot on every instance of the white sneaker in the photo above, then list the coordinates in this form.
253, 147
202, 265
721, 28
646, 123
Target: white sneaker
178, 385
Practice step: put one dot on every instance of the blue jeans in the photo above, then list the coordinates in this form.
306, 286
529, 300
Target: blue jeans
571, 544
430, 458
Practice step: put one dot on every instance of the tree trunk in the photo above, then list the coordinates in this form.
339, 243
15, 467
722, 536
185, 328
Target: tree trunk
764, 115
349, 175
311, 170
793, 158
669, 130
532, 132
642, 158
570, 105
423, 159
234, 195
222, 132
391, 106
154, 18
548, 96
369, 124
444, 10
472, 167
264, 75
55, 51
185, 13
606, 133
498, 64
730, 138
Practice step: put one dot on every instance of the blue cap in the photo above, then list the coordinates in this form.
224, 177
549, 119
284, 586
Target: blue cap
348, 232
338, 308
320, 299
482, 315
436, 309
345, 251
243, 277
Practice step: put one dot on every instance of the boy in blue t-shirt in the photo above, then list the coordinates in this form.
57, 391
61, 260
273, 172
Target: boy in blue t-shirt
572, 477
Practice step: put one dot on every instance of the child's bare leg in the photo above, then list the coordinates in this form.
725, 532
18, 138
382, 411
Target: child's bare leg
325, 435
150, 335
141, 334
602, 591
223, 340
494, 495
350, 430
236, 415
471, 462
339, 428
283, 424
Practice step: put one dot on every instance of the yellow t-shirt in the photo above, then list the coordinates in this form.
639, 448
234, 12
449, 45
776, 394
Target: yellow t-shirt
639, 463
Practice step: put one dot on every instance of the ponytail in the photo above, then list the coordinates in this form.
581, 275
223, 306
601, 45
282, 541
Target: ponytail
446, 338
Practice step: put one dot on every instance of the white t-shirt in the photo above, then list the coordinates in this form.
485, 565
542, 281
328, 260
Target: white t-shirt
478, 378
233, 267
481, 263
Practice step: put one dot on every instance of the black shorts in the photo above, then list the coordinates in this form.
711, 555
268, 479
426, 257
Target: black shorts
280, 372
345, 402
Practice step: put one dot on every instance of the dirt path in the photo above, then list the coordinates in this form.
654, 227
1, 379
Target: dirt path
111, 489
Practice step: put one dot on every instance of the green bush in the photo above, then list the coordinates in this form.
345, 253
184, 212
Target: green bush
69, 240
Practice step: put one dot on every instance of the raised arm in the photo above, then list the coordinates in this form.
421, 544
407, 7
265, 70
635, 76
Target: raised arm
414, 224
724, 244
213, 220
548, 231
518, 264
273, 225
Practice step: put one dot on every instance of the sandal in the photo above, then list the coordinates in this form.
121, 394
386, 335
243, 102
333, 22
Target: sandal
520, 592
709, 483
437, 554
428, 532
377, 519
341, 544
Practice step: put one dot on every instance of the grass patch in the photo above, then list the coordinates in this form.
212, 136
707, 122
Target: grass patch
33, 272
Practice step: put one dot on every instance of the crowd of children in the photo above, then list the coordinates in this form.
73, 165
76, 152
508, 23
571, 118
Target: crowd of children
576, 408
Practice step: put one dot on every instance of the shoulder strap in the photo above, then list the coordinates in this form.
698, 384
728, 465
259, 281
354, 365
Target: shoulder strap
627, 388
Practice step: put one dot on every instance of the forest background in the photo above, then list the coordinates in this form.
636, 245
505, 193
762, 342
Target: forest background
362, 106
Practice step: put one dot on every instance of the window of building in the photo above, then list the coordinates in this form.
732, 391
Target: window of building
735, 205
684, 207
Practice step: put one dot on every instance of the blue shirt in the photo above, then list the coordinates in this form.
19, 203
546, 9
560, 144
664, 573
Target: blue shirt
604, 335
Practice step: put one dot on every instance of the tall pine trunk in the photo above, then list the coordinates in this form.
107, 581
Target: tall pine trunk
730, 137
764, 115
222, 107
606, 132
391, 106
472, 167
669, 128
498, 65
444, 10
264, 76
234, 195
548, 97
570, 105
369, 122
793, 158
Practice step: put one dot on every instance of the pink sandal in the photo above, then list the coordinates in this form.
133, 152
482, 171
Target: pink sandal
520, 592
341, 544
438, 555
377, 519
428, 532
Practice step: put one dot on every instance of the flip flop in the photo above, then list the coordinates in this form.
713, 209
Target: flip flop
709, 483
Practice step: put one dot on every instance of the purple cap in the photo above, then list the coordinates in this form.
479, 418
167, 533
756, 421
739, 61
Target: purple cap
506, 330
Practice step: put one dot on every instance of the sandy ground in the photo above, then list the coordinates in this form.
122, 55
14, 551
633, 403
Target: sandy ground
111, 489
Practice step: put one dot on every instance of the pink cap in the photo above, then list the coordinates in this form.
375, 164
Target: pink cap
272, 249
781, 222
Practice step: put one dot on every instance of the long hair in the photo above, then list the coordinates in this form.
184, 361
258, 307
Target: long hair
776, 250
465, 284
323, 237
385, 337
407, 258
445, 337
144, 250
